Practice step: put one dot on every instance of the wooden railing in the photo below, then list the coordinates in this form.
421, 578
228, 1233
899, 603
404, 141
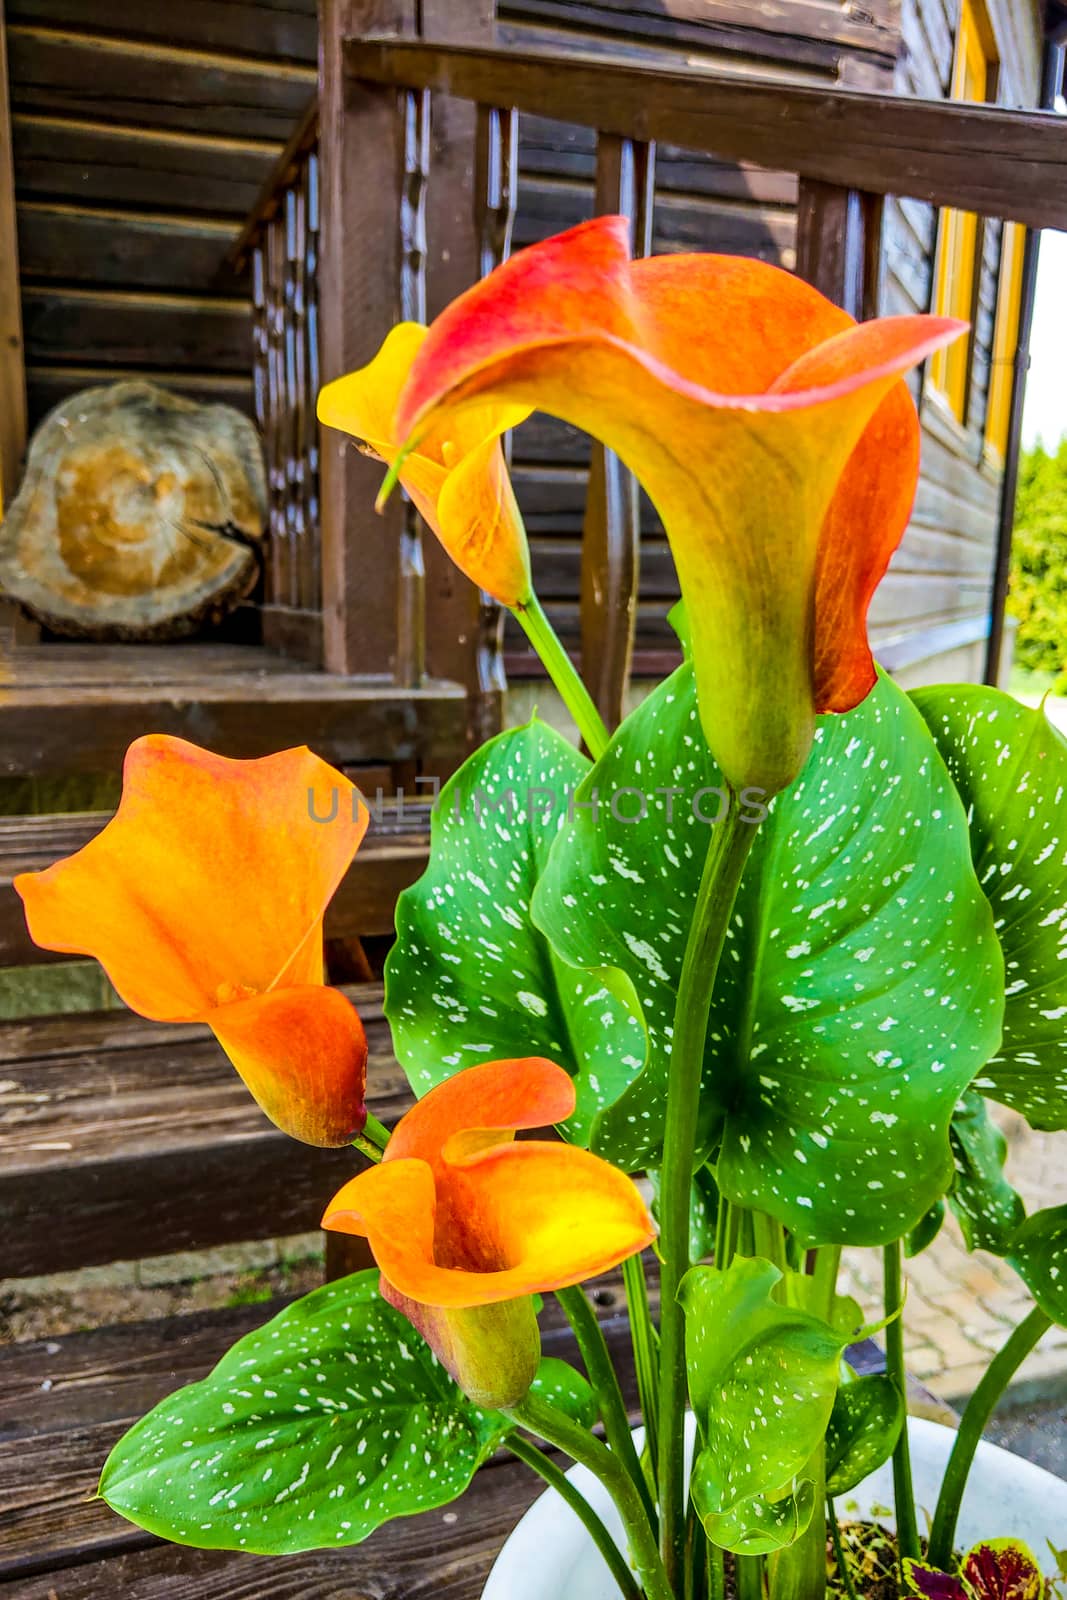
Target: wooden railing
849, 150
416, 157
280, 244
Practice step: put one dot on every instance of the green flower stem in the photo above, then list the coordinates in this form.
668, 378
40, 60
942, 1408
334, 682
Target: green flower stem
748, 1577
547, 1469
827, 1266
576, 698
643, 1337
799, 1571
975, 1416
561, 669
728, 849
770, 1239
373, 1129
556, 1428
843, 1568
601, 1373
366, 1147
722, 1232
716, 1572
903, 1493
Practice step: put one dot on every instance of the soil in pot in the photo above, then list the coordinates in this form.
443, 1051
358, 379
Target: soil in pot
871, 1554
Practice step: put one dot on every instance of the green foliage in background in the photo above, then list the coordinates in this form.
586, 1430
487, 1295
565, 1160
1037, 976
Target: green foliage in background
1039, 564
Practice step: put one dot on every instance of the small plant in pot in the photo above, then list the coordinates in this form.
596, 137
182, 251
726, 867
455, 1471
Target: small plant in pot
771, 947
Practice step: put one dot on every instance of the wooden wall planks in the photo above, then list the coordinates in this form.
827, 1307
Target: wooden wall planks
141, 137
943, 571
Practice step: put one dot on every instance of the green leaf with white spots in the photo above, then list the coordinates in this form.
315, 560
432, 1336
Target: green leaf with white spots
564, 1387
1039, 1256
762, 1380
310, 1433
756, 1527
987, 1208
470, 978
864, 1427
1010, 766
861, 985
925, 1231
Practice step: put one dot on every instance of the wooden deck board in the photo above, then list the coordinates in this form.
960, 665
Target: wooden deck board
140, 1139
75, 708
393, 854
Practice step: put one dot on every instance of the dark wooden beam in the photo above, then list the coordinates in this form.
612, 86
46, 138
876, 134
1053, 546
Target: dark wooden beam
12, 370
1010, 164
1056, 21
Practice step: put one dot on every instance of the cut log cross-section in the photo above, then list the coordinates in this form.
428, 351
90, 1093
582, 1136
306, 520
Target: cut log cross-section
140, 516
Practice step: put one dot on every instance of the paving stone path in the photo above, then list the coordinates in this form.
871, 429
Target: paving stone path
962, 1307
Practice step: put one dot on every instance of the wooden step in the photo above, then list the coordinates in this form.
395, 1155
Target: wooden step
124, 1138
72, 708
64, 1403
393, 854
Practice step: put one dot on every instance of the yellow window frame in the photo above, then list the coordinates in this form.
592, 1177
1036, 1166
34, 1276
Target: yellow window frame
1005, 337
973, 75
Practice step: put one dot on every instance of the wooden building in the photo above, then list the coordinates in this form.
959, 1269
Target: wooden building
141, 137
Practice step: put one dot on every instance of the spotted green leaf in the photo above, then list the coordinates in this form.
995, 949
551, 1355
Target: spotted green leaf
309, 1434
470, 978
1010, 766
861, 985
986, 1206
925, 1231
564, 1387
762, 1380
864, 1427
1039, 1256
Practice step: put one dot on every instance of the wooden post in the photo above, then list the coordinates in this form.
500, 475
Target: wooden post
395, 213
12, 369
611, 532
359, 150
839, 235
464, 636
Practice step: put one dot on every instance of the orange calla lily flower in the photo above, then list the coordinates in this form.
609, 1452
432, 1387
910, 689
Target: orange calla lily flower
772, 432
466, 1223
203, 900
457, 476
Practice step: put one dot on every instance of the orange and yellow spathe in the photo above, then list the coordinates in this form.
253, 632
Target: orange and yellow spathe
774, 435
466, 1223
203, 899
457, 477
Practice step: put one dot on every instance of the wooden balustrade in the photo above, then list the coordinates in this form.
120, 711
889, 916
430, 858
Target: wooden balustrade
280, 242
849, 150
415, 134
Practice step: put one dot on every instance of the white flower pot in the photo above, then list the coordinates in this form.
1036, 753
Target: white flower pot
549, 1555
